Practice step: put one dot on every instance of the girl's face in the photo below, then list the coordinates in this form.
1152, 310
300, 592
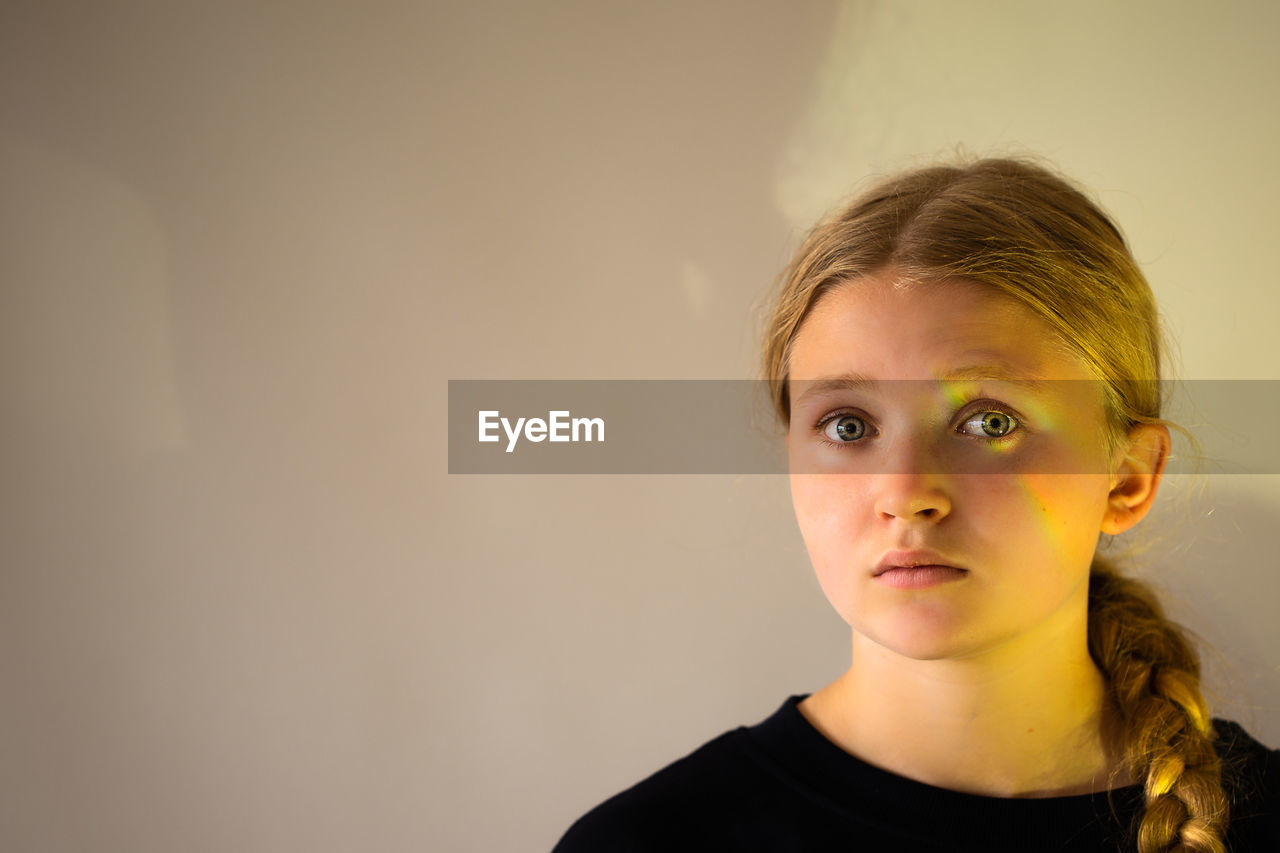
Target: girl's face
984, 462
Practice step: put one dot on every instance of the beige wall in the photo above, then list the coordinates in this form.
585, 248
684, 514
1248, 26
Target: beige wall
244, 246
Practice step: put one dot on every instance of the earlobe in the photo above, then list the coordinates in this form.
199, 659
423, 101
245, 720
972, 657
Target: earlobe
1137, 477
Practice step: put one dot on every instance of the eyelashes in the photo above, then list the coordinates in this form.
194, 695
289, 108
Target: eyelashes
988, 421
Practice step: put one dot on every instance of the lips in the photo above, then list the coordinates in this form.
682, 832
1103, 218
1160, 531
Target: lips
911, 560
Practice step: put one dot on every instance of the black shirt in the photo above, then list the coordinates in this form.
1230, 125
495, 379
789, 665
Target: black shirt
781, 785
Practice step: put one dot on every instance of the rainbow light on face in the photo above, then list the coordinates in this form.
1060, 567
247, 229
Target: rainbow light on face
1038, 489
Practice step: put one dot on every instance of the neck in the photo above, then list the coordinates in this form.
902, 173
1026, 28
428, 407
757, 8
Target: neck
1026, 719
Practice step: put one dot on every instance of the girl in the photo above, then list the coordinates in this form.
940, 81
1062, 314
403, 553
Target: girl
965, 361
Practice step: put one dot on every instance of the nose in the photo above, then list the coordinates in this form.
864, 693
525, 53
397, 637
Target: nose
913, 489
910, 498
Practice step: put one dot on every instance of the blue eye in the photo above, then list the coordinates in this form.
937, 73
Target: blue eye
993, 424
844, 428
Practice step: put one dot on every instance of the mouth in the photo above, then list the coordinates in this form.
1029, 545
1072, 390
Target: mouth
914, 560
920, 577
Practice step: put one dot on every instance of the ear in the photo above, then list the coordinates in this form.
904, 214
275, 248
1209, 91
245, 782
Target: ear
1137, 477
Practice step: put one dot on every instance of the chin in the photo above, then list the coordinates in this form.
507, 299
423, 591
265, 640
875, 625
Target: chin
923, 639
921, 648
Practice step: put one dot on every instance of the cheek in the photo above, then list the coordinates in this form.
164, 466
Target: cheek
826, 504
830, 511
1068, 511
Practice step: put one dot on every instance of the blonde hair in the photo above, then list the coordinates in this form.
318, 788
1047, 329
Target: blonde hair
1020, 228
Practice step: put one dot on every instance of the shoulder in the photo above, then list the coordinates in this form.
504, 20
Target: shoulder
1251, 777
677, 807
1249, 768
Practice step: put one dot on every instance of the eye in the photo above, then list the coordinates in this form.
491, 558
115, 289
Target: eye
990, 424
844, 428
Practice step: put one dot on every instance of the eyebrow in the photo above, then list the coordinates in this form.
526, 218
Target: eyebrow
973, 373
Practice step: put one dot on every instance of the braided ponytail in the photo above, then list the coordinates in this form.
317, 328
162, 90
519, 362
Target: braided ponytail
1165, 735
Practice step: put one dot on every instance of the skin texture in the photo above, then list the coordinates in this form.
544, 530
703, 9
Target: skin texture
982, 684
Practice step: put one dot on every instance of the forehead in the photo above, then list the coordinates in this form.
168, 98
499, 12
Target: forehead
882, 329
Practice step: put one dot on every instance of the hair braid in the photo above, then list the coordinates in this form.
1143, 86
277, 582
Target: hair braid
1153, 676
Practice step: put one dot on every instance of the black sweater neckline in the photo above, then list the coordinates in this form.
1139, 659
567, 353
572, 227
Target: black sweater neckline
846, 783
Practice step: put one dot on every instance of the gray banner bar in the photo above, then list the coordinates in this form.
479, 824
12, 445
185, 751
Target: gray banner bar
728, 427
